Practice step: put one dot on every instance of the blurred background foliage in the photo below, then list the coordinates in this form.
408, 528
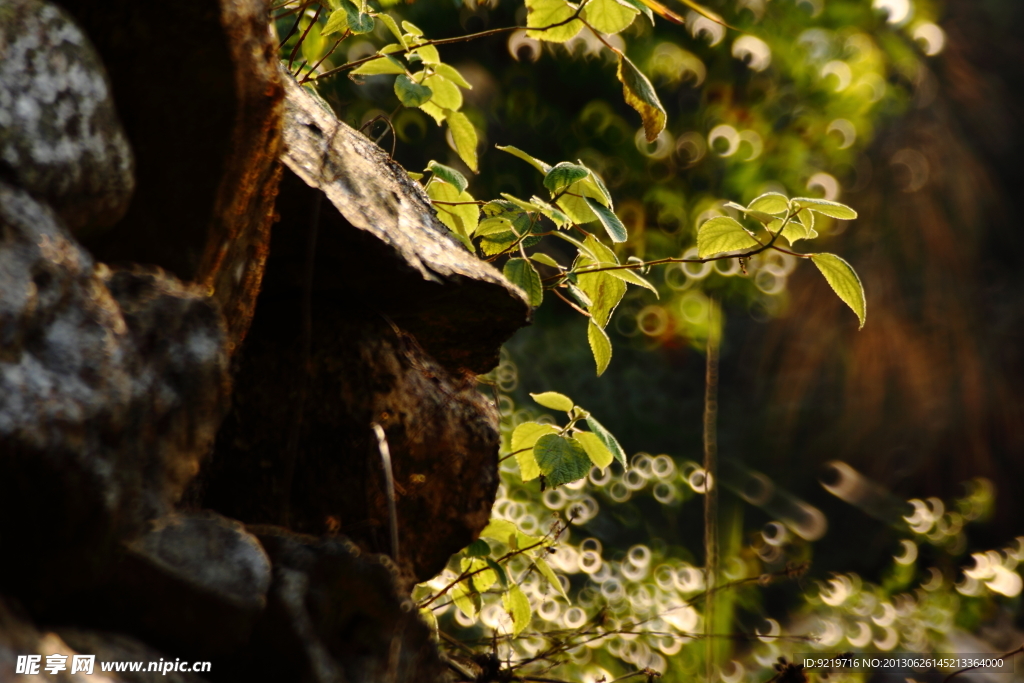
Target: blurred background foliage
907, 110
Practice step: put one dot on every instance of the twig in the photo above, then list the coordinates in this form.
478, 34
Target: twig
302, 38
566, 300
389, 482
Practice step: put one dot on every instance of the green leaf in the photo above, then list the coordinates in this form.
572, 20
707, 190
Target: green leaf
579, 295
561, 460
600, 346
448, 175
497, 244
336, 23
465, 138
453, 75
435, 112
360, 23
412, 28
610, 442
499, 571
844, 281
604, 290
493, 226
524, 437
610, 16
640, 95
556, 216
521, 273
410, 93
446, 94
427, 54
543, 13
553, 400
384, 65
769, 202
612, 225
633, 278
541, 257
483, 576
564, 174
461, 219
313, 45
414, 176
827, 208
478, 548
793, 231
390, 48
545, 570
721, 234
584, 249
518, 607
595, 448
466, 599
500, 530
393, 27
536, 163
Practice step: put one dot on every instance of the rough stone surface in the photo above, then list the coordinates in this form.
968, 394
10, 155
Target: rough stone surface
442, 435
379, 240
60, 137
111, 387
334, 615
193, 585
197, 87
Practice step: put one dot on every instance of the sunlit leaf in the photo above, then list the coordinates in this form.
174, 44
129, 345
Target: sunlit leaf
561, 460
595, 448
545, 570
499, 571
553, 400
464, 135
564, 174
483, 576
410, 93
427, 54
336, 23
523, 439
499, 529
493, 226
521, 273
600, 346
393, 27
453, 75
412, 28
722, 234
610, 16
662, 11
461, 219
612, 225
640, 95
542, 14
770, 202
533, 161
446, 94
448, 175
844, 281
603, 289
439, 115
466, 599
610, 442
384, 65
518, 607
827, 208
643, 8
541, 257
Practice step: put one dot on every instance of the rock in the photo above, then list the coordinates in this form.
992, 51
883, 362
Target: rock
442, 434
197, 87
379, 240
193, 585
60, 137
334, 615
112, 384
